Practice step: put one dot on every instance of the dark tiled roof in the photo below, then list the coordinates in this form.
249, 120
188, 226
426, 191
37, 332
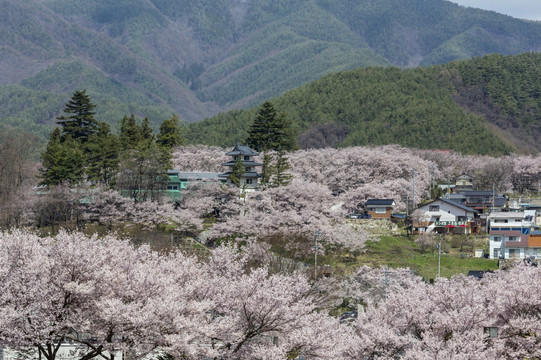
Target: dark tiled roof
458, 205
478, 193
500, 201
251, 174
379, 202
244, 163
193, 175
242, 150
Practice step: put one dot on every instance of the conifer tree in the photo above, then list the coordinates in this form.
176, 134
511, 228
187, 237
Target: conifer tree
130, 132
169, 135
259, 132
281, 175
237, 170
62, 161
102, 156
271, 131
79, 124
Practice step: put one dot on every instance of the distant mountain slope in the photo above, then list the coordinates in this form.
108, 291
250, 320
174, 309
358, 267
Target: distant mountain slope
488, 105
196, 58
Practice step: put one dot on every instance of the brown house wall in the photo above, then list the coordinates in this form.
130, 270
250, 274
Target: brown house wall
387, 214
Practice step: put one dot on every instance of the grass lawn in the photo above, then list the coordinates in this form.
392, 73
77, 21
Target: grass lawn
403, 252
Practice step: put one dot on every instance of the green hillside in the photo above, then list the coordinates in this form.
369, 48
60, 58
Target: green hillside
197, 58
488, 105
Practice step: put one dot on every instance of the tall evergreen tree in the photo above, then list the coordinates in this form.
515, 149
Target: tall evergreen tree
169, 135
62, 161
102, 156
237, 170
281, 176
271, 131
79, 124
130, 133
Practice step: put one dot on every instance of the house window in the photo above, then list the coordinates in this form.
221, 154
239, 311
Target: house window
514, 253
514, 238
249, 181
496, 254
248, 169
246, 158
172, 187
381, 210
497, 238
434, 208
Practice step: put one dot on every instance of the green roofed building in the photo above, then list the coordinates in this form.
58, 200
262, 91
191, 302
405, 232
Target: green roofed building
179, 180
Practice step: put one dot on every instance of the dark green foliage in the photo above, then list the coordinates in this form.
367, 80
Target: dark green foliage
237, 170
102, 155
169, 136
130, 132
79, 124
424, 107
62, 161
280, 175
142, 172
270, 131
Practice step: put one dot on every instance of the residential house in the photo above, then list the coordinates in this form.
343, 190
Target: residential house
380, 208
444, 215
512, 235
484, 200
248, 179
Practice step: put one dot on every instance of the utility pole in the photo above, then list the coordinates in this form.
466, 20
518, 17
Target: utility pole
439, 255
413, 173
316, 234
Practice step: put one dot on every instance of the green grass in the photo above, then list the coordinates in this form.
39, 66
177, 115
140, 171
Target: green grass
403, 252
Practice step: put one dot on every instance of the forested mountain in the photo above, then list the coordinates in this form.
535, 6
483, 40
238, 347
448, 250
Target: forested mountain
196, 58
490, 104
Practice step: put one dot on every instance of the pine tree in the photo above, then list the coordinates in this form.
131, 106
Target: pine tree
237, 170
271, 131
146, 130
80, 123
281, 176
102, 156
258, 134
169, 135
130, 133
62, 161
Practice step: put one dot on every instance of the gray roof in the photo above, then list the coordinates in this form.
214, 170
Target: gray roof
182, 175
244, 163
388, 202
478, 193
454, 203
248, 174
242, 150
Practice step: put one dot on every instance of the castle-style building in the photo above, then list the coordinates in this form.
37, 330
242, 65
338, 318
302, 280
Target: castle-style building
249, 179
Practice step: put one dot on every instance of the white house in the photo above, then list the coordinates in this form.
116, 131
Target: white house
510, 235
443, 213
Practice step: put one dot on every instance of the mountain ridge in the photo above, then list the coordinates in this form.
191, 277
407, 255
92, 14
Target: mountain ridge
199, 58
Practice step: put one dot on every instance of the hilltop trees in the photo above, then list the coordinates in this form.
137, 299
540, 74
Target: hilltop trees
86, 150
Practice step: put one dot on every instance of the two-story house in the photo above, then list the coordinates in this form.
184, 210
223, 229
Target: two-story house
443, 214
510, 235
